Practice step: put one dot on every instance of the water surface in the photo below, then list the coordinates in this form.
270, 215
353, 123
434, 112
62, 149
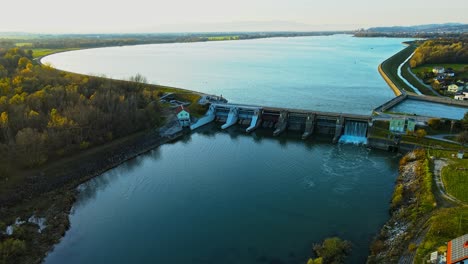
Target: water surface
226, 197
324, 73
430, 109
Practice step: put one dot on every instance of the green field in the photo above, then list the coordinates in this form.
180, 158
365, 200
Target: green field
455, 178
390, 67
24, 44
223, 38
37, 53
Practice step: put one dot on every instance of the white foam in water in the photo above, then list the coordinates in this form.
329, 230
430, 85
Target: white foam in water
353, 140
355, 133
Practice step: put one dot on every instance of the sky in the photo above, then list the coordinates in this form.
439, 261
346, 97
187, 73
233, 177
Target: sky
127, 16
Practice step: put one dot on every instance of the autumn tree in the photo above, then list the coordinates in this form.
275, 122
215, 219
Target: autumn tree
30, 147
333, 251
10, 248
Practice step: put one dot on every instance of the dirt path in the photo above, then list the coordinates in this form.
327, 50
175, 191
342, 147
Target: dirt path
439, 164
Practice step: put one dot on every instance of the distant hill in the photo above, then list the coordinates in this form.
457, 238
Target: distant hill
430, 28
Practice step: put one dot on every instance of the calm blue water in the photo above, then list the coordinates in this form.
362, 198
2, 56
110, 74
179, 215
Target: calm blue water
430, 109
226, 197
327, 73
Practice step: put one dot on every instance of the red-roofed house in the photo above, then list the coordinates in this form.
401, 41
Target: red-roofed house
183, 116
457, 250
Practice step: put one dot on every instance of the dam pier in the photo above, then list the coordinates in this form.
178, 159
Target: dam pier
341, 126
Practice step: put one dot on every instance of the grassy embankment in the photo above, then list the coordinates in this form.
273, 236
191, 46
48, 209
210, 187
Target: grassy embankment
418, 224
411, 203
390, 68
451, 220
405, 72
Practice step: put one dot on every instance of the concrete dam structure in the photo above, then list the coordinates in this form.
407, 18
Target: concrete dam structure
308, 122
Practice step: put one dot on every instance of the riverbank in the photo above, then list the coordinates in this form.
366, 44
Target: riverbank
51, 198
411, 204
422, 218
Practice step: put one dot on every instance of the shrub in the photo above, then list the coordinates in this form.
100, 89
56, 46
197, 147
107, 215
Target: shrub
397, 196
434, 123
412, 247
333, 250
420, 133
84, 145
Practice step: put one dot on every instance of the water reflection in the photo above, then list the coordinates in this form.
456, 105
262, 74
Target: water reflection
254, 198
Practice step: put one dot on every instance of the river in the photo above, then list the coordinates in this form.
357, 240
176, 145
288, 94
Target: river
226, 197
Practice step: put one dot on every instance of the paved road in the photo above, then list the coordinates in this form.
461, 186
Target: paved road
441, 138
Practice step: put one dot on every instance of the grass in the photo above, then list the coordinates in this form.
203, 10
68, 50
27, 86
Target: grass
453, 138
461, 70
405, 72
390, 67
455, 179
444, 225
223, 38
24, 44
37, 53
428, 67
428, 142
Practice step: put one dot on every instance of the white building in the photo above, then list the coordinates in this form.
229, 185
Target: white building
453, 88
438, 70
183, 116
461, 96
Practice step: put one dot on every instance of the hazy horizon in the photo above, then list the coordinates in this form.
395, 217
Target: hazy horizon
142, 16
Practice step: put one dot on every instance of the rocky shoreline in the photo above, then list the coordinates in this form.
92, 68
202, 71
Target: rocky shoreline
410, 209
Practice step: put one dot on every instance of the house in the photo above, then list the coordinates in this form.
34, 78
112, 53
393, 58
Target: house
463, 96
434, 257
457, 250
402, 125
183, 116
449, 73
461, 85
438, 70
453, 88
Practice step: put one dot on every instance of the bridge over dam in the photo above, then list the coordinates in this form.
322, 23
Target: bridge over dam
281, 119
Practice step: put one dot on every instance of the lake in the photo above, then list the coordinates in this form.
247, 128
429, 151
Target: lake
324, 73
226, 197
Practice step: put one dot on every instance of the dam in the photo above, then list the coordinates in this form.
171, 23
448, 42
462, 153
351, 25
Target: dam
281, 119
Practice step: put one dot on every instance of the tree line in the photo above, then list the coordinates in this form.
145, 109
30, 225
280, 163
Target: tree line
105, 40
46, 113
435, 51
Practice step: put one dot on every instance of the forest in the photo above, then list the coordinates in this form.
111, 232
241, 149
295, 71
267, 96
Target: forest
46, 113
454, 50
